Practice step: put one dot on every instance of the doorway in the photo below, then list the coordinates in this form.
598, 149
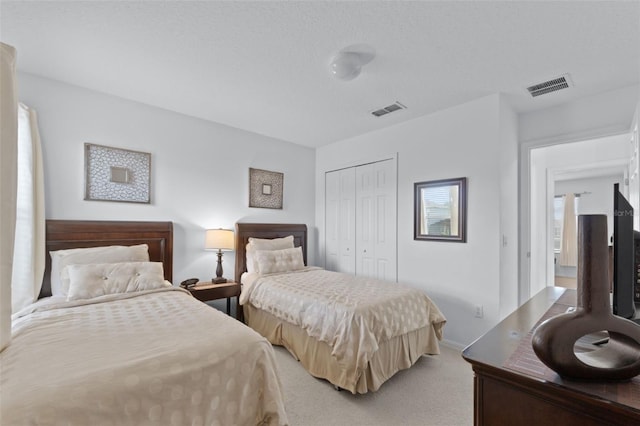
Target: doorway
576, 162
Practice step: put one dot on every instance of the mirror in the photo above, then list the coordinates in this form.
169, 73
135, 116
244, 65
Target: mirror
440, 210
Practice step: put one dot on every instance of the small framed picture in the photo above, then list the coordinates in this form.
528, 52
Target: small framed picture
265, 189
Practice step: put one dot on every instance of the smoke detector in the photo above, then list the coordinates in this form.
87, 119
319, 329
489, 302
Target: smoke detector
396, 106
553, 85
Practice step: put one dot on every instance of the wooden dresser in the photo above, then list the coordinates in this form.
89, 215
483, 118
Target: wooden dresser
512, 387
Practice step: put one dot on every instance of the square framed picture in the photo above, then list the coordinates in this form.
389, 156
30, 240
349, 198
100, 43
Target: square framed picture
116, 174
265, 189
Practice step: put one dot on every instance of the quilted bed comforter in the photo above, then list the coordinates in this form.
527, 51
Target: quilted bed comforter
352, 314
152, 357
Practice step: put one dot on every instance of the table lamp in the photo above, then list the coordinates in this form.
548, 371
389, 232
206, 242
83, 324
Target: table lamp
221, 240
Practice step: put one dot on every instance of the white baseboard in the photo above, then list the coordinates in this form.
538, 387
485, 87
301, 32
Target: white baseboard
452, 345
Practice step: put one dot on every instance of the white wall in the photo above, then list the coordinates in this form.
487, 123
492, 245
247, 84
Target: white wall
508, 166
199, 176
457, 142
593, 116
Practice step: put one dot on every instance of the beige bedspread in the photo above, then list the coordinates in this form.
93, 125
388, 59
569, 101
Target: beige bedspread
155, 357
353, 315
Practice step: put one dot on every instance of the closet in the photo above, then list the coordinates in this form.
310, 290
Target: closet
360, 220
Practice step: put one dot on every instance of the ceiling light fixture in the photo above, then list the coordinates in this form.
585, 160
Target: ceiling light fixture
347, 64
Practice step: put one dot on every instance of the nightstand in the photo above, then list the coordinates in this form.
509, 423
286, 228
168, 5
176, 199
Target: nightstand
206, 291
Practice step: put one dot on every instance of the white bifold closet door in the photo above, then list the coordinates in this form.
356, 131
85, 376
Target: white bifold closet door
361, 220
340, 216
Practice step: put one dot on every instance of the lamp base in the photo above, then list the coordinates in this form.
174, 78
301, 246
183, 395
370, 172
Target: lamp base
218, 279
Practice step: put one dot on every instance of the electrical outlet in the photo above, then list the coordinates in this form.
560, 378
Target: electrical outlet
479, 311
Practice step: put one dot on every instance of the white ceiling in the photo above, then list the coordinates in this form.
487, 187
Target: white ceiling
263, 66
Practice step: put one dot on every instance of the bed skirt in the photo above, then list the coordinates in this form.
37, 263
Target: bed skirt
396, 354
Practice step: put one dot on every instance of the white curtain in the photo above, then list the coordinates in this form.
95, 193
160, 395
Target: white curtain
8, 187
29, 248
569, 245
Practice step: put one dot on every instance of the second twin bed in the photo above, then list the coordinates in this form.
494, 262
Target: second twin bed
353, 331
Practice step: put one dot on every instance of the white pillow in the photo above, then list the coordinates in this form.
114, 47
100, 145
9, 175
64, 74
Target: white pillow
286, 260
251, 263
93, 280
265, 244
81, 256
271, 244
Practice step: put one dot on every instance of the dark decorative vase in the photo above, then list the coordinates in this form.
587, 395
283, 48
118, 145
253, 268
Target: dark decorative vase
553, 341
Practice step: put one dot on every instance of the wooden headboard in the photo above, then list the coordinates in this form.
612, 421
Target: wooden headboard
68, 234
266, 230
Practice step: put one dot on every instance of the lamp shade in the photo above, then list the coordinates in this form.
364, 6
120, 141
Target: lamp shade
219, 239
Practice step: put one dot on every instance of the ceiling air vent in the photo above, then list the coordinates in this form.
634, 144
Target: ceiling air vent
388, 109
553, 85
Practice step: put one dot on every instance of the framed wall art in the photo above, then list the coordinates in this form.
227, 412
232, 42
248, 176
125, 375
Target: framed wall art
440, 210
265, 189
116, 174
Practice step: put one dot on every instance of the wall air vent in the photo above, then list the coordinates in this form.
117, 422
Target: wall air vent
553, 85
388, 109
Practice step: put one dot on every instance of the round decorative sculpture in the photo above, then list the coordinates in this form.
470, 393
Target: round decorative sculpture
553, 341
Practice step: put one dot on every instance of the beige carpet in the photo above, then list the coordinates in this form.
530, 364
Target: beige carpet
437, 390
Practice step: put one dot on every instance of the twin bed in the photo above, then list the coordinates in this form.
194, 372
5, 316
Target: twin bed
121, 345
151, 356
352, 331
